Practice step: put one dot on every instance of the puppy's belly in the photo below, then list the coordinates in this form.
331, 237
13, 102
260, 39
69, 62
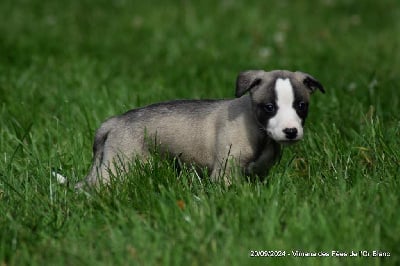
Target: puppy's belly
188, 145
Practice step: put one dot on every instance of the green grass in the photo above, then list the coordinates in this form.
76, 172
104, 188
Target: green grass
65, 66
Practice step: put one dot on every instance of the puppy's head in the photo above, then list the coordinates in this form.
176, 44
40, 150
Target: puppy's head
280, 100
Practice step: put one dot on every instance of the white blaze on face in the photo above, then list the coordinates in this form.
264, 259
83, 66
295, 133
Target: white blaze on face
286, 116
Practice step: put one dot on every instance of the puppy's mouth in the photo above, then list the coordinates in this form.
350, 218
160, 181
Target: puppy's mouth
288, 141
285, 142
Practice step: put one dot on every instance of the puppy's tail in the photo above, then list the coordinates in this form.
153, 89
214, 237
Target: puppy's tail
98, 154
60, 178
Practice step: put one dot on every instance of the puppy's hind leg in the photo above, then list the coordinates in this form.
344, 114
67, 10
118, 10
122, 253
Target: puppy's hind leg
99, 169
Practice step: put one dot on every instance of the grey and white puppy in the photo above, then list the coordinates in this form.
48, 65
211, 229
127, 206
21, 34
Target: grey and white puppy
270, 109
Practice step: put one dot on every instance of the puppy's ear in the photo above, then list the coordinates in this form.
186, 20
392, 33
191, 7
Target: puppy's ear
310, 82
247, 80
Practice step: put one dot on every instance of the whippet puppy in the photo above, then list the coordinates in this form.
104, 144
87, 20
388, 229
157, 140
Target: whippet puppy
270, 109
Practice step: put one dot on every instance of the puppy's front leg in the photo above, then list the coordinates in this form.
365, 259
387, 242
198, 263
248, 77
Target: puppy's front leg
261, 165
220, 173
227, 167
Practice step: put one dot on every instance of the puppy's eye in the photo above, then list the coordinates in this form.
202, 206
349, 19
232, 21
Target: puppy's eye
269, 107
301, 106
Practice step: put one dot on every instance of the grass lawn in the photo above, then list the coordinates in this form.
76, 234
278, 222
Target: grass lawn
65, 66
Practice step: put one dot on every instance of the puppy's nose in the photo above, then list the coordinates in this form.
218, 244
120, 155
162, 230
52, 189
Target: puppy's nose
291, 133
